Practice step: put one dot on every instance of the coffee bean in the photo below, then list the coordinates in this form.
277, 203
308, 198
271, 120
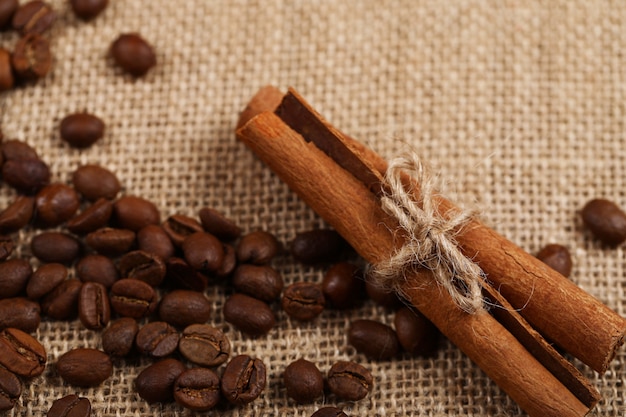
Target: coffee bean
243, 379
81, 130
178, 227
605, 220
184, 307
111, 242
6, 247
21, 353
257, 248
135, 213
556, 257
218, 225
17, 149
133, 298
251, 316
97, 268
31, 58
303, 301
156, 382
55, 204
229, 263
197, 389
7, 81
26, 175
157, 339
349, 380
14, 276
119, 338
55, 247
203, 252
94, 309
70, 406
45, 279
34, 17
95, 182
382, 296
17, 215
317, 246
10, 389
143, 266
133, 54
19, 313
84, 367
181, 274
153, 239
304, 382
416, 334
343, 285
376, 340
329, 412
62, 302
204, 345
7, 10
262, 282
88, 9
92, 218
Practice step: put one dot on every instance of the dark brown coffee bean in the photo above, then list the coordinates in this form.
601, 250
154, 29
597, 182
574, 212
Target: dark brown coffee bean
17, 215
156, 382
10, 389
329, 412
14, 276
243, 379
7, 80
197, 389
119, 338
70, 406
251, 316
84, 367
62, 302
376, 340
343, 286
95, 182
317, 246
19, 313
382, 296
88, 9
17, 149
55, 247
304, 382
258, 281
157, 339
6, 247
349, 380
133, 54
21, 353
81, 130
94, 310
55, 204
204, 345
203, 252
92, 218
7, 10
97, 268
606, 220
229, 263
31, 58
184, 307
556, 257
45, 279
153, 239
34, 17
26, 175
218, 225
111, 242
143, 266
133, 298
178, 227
135, 213
303, 301
181, 274
257, 248
416, 334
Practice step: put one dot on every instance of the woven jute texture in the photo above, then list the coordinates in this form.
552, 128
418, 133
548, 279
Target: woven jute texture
519, 105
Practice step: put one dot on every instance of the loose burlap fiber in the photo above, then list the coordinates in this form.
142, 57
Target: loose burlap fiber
520, 105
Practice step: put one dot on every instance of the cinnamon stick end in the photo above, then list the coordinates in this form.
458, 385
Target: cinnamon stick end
266, 99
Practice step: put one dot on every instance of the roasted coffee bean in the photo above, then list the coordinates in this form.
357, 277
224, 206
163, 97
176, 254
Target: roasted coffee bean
21, 353
382, 296
26, 175
184, 307
153, 239
17, 215
84, 367
416, 334
95, 182
88, 9
92, 218
6, 247
375, 339
156, 382
303, 301
181, 274
143, 266
204, 345
19, 313
70, 406
157, 339
243, 379
45, 279
62, 302
14, 276
257, 248
133, 298
7, 10
81, 130
178, 227
119, 338
349, 380
556, 257
203, 251
343, 286
55, 247
197, 389
31, 59
218, 225
97, 268
304, 382
251, 316
17, 149
258, 281
111, 242
606, 220
229, 263
55, 204
329, 412
135, 213
10, 389
7, 81
94, 309
34, 17
133, 54
317, 246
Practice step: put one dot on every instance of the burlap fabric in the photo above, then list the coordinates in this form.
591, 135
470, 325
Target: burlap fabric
519, 105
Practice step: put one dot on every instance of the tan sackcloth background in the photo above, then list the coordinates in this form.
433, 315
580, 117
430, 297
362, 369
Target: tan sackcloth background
519, 104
